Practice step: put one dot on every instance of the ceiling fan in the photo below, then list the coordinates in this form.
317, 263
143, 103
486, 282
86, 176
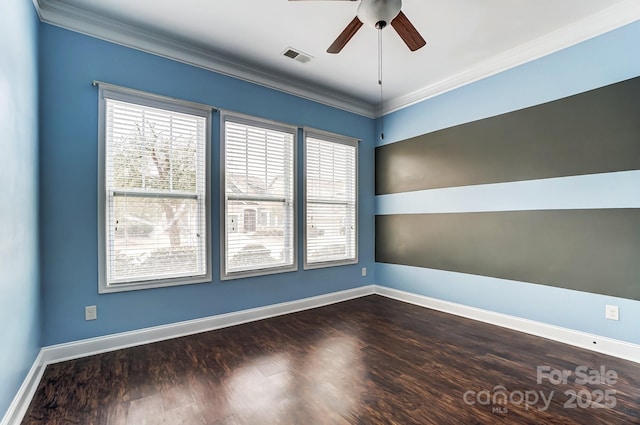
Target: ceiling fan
378, 14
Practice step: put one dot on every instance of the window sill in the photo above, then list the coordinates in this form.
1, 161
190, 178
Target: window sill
326, 264
257, 273
136, 286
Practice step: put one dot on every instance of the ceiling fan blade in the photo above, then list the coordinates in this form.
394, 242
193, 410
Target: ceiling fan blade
407, 32
345, 36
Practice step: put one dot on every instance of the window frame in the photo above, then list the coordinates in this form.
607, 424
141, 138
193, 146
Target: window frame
123, 94
269, 125
343, 140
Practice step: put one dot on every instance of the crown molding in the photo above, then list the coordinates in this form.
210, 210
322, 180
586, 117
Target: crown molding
616, 16
69, 17
72, 18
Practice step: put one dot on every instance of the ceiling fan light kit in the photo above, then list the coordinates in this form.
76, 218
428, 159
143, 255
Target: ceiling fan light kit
378, 13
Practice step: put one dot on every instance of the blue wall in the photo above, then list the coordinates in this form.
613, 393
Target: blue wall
65, 189
69, 119
19, 276
607, 59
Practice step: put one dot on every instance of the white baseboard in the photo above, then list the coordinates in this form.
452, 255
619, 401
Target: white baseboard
20, 403
608, 346
88, 347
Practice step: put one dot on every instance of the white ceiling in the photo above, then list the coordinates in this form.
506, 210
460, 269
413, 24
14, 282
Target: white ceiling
466, 40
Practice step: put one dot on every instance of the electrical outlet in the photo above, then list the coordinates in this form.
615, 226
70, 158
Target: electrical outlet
90, 312
364, 271
612, 312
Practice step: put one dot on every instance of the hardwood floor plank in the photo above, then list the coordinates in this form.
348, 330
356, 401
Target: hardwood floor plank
368, 361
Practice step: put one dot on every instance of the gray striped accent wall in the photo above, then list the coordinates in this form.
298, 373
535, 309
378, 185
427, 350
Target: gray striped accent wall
595, 249
593, 132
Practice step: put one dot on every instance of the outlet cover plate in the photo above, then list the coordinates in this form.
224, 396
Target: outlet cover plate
612, 312
90, 312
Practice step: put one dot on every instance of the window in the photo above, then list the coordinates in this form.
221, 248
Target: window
331, 193
258, 187
154, 191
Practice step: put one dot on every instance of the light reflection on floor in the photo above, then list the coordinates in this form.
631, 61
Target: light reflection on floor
333, 373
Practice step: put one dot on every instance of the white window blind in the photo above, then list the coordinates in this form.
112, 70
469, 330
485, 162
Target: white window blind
331, 200
259, 207
156, 189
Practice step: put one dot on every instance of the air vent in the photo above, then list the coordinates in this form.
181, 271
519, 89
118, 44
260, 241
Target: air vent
297, 55
291, 53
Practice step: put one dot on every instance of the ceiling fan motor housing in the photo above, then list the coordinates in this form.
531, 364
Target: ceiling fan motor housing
378, 13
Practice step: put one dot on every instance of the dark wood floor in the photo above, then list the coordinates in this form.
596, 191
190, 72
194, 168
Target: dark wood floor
366, 361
